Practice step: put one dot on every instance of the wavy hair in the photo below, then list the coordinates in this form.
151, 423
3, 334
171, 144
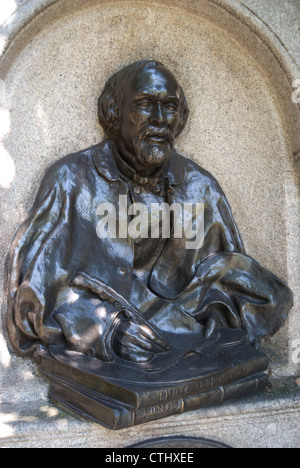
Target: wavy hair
110, 101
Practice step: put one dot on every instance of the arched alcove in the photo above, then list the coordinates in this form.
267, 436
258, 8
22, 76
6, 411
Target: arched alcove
244, 127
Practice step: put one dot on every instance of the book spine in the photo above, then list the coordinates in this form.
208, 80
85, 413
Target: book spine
203, 384
202, 400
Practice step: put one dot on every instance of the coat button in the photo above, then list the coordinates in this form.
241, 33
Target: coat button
137, 189
123, 270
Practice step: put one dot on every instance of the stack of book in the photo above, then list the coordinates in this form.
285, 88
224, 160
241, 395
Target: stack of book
121, 394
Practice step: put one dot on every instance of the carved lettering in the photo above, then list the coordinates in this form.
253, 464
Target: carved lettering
158, 411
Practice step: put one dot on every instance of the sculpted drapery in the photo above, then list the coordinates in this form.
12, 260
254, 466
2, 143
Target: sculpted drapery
215, 282
142, 110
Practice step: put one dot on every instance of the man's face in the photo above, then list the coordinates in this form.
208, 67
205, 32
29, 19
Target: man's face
150, 115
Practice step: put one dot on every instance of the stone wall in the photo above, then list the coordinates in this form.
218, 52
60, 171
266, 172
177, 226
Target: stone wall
236, 62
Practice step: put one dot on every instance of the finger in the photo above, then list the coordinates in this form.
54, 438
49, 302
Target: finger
134, 353
150, 335
143, 336
135, 357
138, 358
148, 331
128, 339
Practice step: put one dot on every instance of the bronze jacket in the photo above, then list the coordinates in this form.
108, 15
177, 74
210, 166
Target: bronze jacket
59, 239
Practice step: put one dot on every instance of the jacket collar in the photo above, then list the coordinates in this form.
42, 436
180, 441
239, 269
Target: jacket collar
106, 165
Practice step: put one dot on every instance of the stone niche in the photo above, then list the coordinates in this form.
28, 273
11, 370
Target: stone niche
244, 128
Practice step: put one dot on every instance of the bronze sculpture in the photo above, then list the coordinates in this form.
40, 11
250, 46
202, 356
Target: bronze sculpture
129, 328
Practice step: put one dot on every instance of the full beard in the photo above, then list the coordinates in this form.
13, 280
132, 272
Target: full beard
151, 153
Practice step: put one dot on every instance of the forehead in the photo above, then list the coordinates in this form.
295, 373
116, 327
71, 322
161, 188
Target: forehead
154, 80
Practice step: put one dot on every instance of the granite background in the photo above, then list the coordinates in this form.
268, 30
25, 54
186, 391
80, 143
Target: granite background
238, 128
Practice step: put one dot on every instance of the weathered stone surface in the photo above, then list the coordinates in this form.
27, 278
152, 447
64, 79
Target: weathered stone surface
268, 422
243, 129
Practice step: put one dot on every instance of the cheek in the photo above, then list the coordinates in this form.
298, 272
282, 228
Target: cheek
173, 122
133, 122
138, 118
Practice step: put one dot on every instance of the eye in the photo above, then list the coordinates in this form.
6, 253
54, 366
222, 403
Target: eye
171, 107
144, 104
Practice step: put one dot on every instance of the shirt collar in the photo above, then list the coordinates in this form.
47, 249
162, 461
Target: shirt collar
106, 165
128, 171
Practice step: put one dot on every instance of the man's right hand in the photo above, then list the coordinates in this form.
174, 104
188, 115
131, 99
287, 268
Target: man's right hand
137, 342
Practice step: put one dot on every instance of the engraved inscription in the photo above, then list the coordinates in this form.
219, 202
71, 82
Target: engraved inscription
159, 411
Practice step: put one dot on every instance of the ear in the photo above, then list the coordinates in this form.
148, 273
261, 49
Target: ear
109, 114
184, 114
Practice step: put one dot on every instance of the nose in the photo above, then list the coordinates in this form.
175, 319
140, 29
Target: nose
157, 115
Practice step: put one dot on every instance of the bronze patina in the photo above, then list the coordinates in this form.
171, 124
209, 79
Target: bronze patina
130, 328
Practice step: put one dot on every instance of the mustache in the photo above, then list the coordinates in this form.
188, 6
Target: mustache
156, 133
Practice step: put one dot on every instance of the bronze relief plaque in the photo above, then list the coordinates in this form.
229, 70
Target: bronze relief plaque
128, 282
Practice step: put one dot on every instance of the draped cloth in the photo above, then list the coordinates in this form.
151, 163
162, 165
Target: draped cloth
187, 288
